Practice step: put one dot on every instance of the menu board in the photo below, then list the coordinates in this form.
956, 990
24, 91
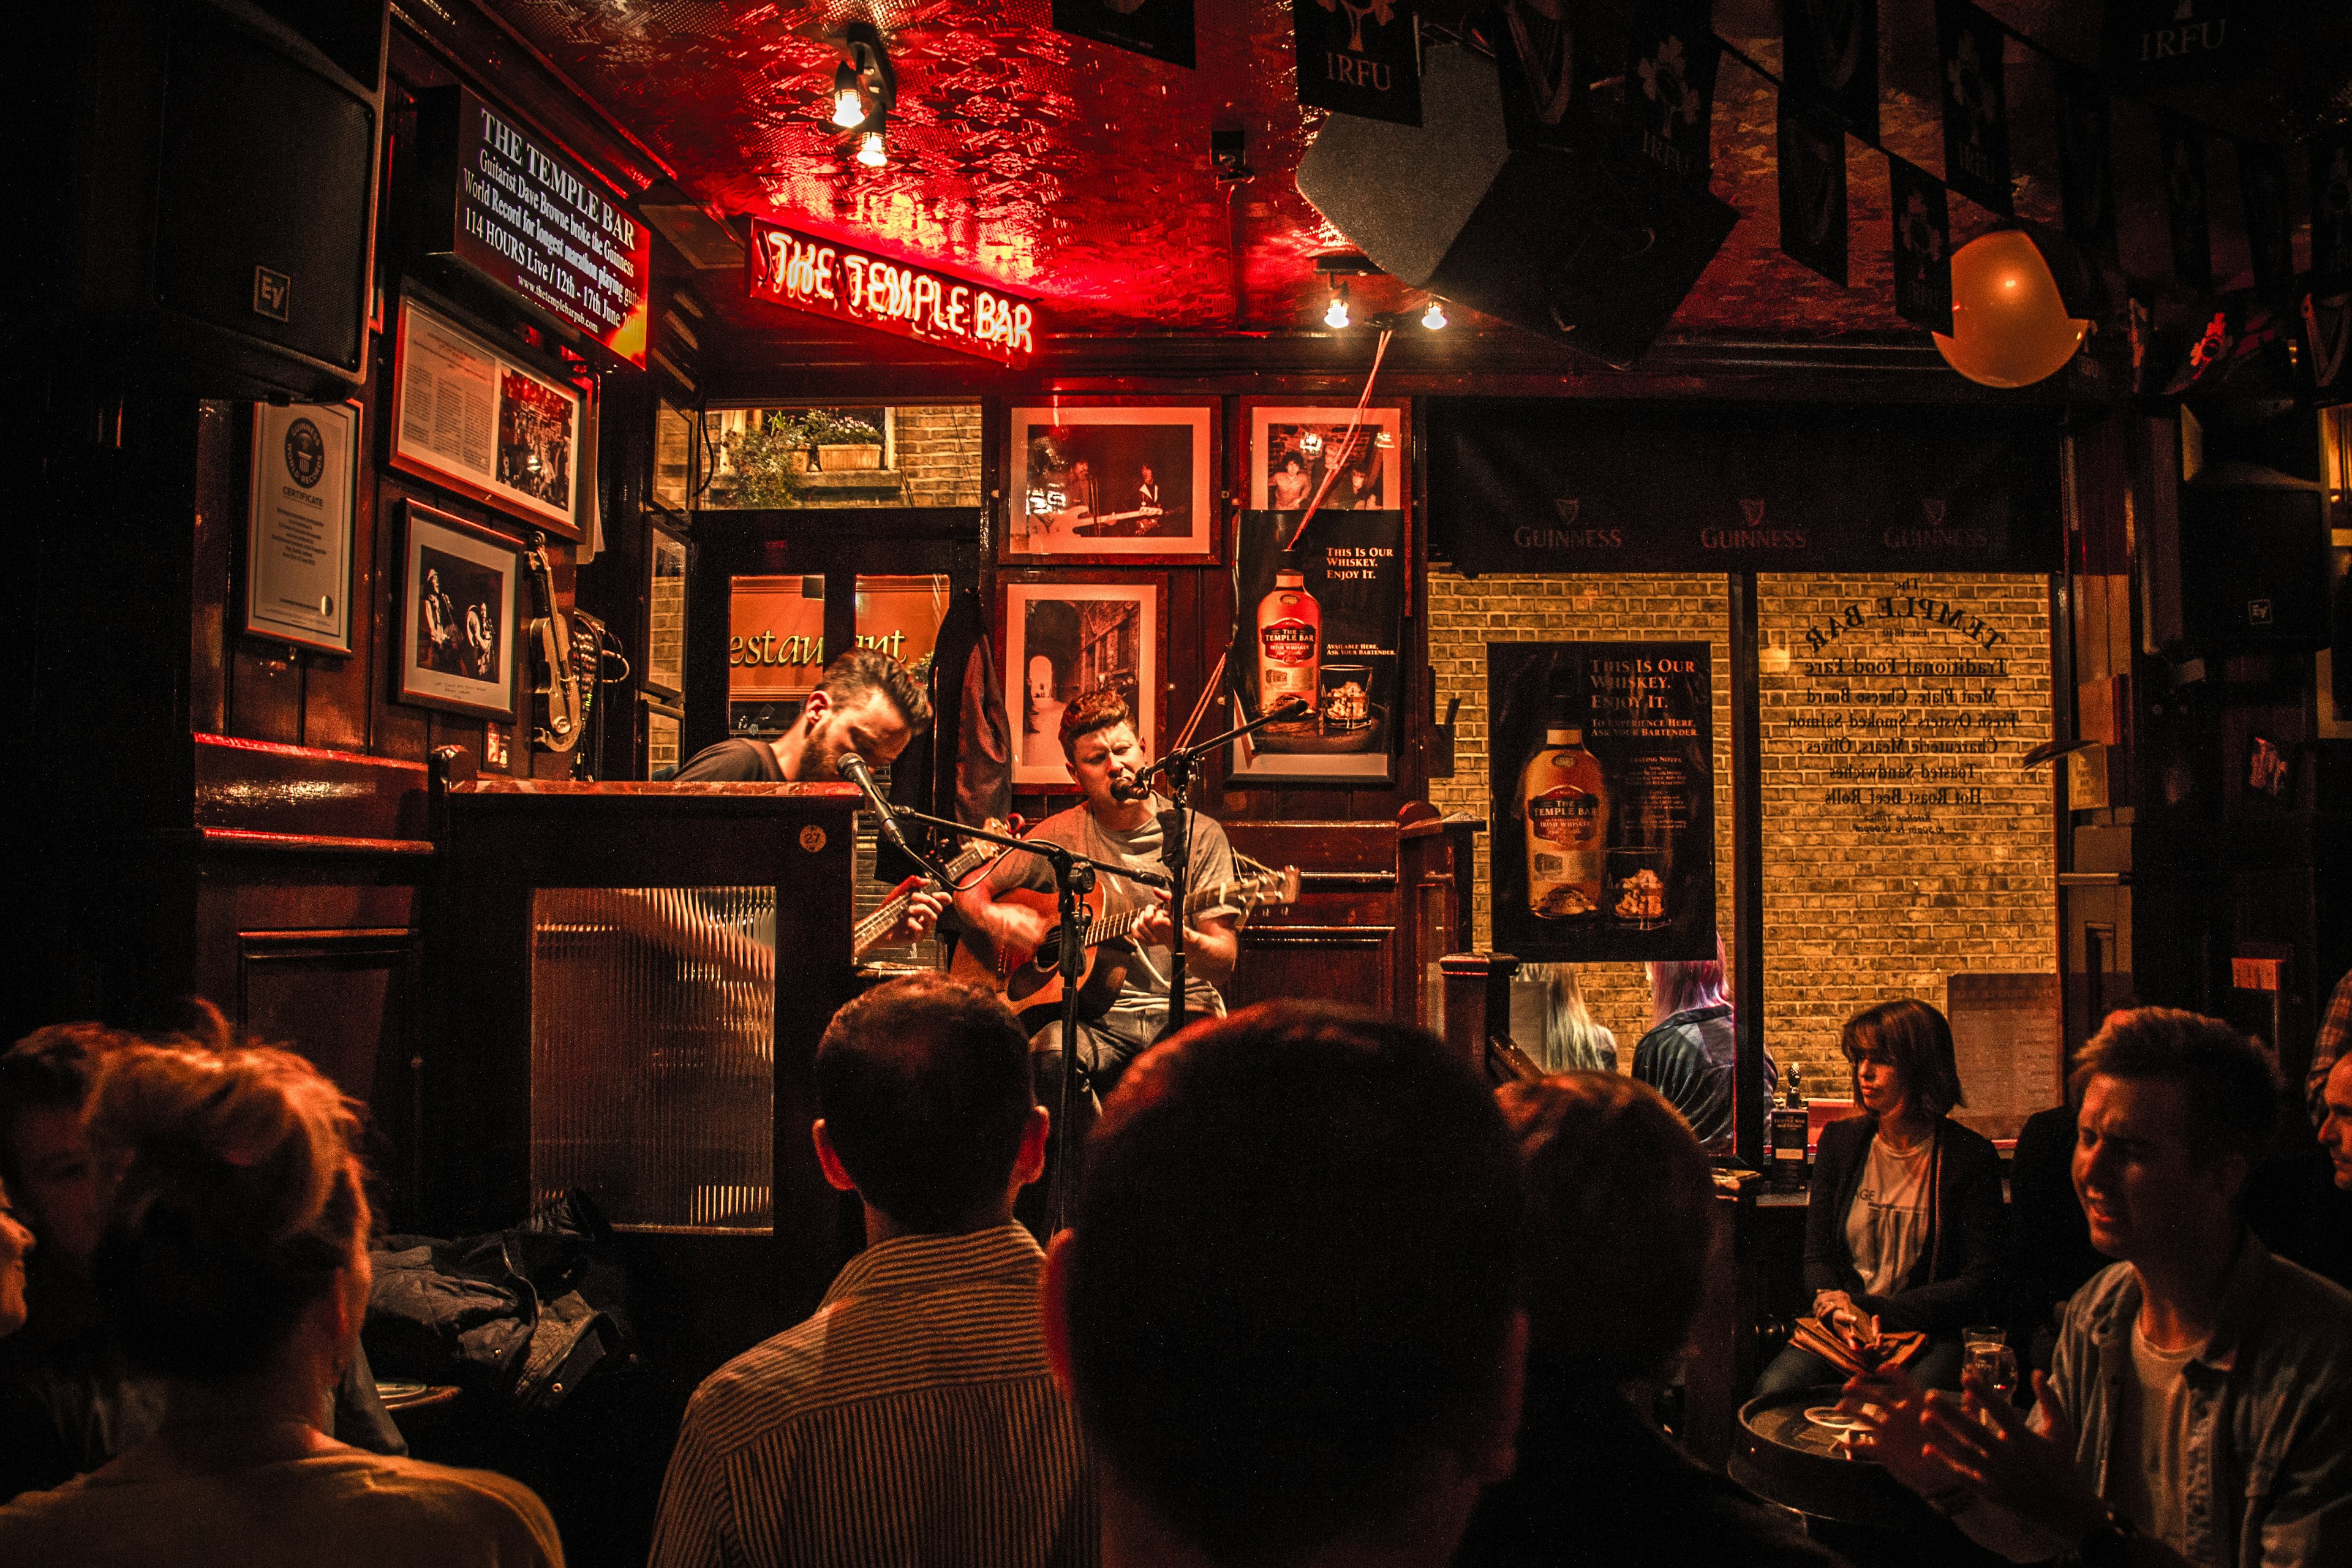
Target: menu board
474, 419
534, 221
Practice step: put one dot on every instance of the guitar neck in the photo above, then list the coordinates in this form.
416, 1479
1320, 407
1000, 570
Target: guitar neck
871, 930
1199, 899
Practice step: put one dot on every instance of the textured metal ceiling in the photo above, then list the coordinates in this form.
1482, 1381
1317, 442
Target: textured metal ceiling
1079, 173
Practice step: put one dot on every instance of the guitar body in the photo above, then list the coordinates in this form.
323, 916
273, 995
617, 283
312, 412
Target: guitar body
1031, 978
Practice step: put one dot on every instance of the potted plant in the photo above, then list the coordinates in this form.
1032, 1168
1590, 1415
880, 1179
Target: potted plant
841, 441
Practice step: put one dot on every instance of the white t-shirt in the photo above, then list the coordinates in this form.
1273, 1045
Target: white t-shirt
2146, 1479
1886, 1229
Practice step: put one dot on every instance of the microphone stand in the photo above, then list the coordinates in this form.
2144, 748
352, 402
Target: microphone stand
1176, 843
1073, 878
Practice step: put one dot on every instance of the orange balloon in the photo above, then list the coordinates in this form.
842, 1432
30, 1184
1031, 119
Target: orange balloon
2009, 326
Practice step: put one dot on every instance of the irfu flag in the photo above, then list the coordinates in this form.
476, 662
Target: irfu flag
1828, 58
1161, 29
1813, 189
1670, 85
2183, 145
1358, 56
2086, 179
1976, 104
1923, 246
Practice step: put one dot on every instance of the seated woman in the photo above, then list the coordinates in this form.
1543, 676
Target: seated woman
233, 1262
1904, 1221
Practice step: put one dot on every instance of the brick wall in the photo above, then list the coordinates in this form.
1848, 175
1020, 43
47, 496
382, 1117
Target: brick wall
1901, 842
938, 452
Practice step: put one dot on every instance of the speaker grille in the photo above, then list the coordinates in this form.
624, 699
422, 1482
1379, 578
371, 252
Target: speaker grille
262, 198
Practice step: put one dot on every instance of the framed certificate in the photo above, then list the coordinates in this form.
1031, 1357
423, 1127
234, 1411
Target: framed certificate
297, 539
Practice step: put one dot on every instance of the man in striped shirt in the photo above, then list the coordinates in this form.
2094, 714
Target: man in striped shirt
913, 1419
1287, 1309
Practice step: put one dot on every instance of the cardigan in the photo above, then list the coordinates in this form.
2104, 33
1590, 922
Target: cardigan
1958, 1278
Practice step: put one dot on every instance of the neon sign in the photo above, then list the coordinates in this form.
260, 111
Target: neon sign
828, 278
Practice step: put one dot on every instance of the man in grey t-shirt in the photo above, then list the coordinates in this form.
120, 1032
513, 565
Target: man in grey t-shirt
1117, 821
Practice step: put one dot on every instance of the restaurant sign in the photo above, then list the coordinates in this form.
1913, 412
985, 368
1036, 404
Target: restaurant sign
534, 221
826, 278
1577, 487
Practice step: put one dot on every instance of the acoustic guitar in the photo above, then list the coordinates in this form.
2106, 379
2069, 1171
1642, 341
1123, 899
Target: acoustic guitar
1031, 978
867, 934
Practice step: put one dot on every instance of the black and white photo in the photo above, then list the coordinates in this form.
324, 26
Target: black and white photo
1063, 639
1294, 451
457, 617
1130, 482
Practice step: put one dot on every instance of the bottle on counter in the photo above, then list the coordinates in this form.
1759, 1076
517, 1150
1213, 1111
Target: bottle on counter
1790, 1127
1289, 643
1567, 802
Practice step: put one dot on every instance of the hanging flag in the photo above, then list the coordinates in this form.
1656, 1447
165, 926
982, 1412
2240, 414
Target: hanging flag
2183, 154
1542, 81
2086, 180
1812, 188
1161, 29
1923, 246
1358, 56
1976, 104
2331, 205
2155, 42
1670, 85
2325, 324
1829, 56
2270, 227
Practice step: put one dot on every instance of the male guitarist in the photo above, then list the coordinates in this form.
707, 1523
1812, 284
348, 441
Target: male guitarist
867, 703
1117, 822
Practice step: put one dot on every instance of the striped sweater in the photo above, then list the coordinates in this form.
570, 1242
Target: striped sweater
911, 1420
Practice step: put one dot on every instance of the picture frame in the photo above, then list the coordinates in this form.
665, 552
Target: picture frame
1084, 475
460, 600
1371, 477
470, 416
1333, 635
664, 662
301, 510
1062, 637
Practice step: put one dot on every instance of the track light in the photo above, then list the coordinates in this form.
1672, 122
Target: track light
848, 103
873, 145
1435, 317
1334, 315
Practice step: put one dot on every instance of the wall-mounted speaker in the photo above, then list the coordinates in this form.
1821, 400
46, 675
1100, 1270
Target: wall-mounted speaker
214, 223
1584, 244
2254, 566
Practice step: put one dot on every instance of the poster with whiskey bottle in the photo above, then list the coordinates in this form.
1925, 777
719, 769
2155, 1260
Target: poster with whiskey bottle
1600, 767
1318, 617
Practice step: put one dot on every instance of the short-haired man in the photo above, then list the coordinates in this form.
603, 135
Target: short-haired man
2335, 1126
1287, 1309
2199, 1406
913, 1418
1117, 820
867, 703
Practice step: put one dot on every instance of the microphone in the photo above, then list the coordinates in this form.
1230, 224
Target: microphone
853, 767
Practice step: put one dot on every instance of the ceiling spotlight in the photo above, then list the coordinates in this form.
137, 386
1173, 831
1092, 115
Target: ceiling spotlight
873, 148
1435, 317
848, 103
1334, 315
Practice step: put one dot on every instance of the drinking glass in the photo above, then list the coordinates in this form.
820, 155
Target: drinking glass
1991, 1369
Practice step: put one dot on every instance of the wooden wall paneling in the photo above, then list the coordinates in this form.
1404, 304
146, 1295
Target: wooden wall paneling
337, 696
1350, 964
397, 729
223, 430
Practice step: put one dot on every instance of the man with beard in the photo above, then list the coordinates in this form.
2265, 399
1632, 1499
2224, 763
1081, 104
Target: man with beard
870, 703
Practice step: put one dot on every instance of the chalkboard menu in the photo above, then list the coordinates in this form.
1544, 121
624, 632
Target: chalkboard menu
504, 203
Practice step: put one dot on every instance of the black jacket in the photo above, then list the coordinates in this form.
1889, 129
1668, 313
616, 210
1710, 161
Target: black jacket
1958, 1279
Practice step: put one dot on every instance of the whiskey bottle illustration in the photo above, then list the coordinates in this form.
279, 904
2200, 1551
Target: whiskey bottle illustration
1289, 643
1568, 822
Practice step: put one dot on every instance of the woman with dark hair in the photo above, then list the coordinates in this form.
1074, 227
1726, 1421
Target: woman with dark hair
233, 1263
1905, 1220
1688, 1056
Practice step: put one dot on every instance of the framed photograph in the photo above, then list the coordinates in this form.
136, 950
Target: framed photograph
1126, 482
665, 612
1062, 639
470, 417
461, 588
1293, 450
298, 535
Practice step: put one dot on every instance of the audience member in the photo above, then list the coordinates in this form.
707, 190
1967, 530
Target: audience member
1688, 1053
2327, 1047
2196, 1410
69, 1400
15, 1241
233, 1264
913, 1418
2049, 1252
1286, 1310
1904, 1223
1572, 1040
2336, 1128
1620, 1224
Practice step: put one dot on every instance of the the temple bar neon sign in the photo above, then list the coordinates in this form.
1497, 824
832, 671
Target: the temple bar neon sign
829, 278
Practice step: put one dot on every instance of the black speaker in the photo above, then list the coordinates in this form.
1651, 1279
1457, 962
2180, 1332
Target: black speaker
2254, 566
1585, 244
216, 225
